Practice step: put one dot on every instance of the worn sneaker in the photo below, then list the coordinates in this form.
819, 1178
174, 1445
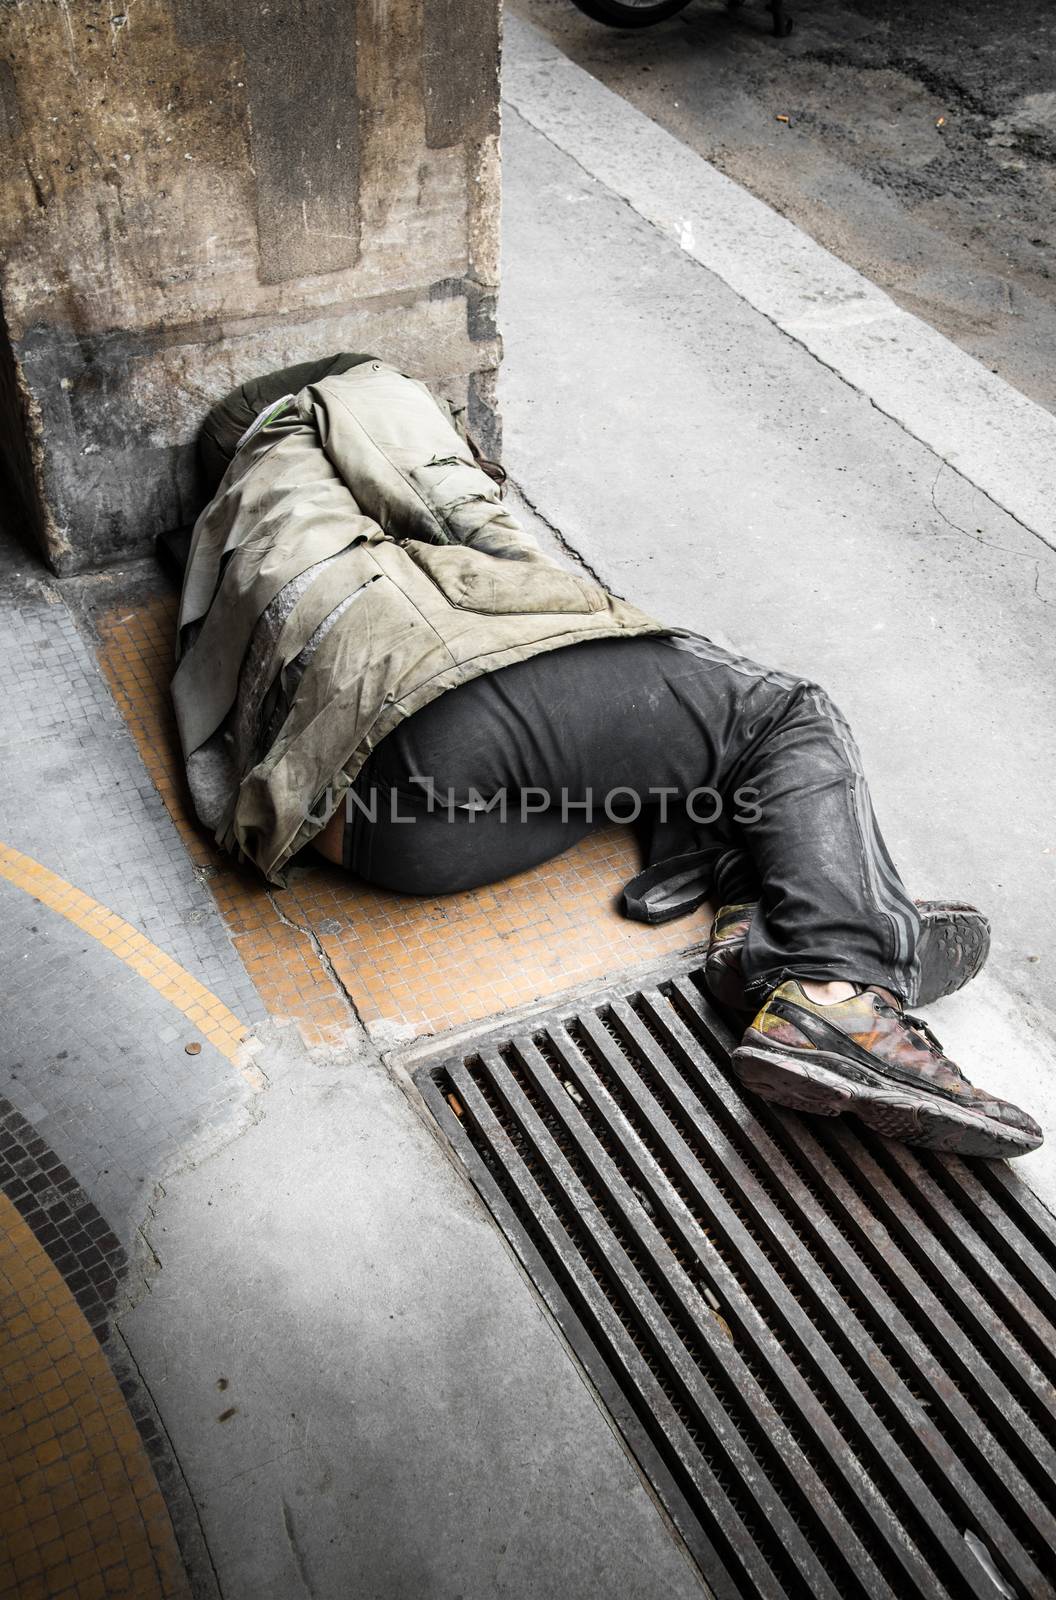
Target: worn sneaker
953, 946
722, 964
866, 1056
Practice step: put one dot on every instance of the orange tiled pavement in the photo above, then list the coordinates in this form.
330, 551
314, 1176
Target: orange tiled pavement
81, 1515
427, 964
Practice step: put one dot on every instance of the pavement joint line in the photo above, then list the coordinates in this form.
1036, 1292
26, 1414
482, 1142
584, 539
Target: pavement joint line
188, 1498
981, 427
220, 1026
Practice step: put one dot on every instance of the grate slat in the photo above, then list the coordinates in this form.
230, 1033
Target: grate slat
641, 1304
1022, 1206
860, 1156
811, 1414
1028, 1299
733, 1537
910, 1429
1008, 1362
875, 1261
833, 1356
749, 1407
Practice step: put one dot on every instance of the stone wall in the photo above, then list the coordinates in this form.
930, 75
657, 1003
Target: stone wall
196, 191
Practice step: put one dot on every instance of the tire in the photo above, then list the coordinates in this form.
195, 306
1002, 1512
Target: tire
626, 14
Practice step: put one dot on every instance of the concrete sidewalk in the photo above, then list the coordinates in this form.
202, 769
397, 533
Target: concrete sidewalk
343, 1380
709, 465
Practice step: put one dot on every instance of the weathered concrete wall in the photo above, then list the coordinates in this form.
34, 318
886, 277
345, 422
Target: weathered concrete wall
195, 191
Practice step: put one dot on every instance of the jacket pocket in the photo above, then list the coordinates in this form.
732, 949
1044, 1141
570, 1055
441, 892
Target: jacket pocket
474, 581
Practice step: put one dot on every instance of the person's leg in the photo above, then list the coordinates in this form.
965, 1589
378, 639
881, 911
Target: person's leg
512, 768
831, 905
831, 949
696, 735
404, 839
833, 914
461, 794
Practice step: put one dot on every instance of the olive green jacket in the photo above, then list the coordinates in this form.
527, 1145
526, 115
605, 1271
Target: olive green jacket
364, 479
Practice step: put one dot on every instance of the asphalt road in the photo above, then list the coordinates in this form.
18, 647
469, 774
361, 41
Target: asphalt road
913, 138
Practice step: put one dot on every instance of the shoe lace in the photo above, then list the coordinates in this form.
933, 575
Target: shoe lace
920, 1026
927, 1037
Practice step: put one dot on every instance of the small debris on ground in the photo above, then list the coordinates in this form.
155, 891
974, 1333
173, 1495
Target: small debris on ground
194, 1048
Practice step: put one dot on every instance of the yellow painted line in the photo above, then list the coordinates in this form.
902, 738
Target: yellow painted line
197, 1003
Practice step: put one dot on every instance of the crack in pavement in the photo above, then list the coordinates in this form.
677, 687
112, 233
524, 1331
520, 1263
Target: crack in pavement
324, 960
978, 538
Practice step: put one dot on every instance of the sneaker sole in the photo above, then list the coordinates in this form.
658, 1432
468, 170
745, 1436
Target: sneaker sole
814, 1082
953, 947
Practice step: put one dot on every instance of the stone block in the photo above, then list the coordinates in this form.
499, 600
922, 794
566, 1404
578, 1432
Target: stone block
197, 191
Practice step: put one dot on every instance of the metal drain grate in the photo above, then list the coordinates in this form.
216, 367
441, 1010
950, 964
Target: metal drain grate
832, 1356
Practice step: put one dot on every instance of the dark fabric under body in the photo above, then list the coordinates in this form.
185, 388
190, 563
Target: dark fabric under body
642, 715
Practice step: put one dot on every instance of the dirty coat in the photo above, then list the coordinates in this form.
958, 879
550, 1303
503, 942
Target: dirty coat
354, 563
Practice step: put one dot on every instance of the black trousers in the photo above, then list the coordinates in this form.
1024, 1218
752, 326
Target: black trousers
701, 749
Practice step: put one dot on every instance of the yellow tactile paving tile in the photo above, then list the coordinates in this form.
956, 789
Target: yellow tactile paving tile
210, 1016
424, 964
81, 1514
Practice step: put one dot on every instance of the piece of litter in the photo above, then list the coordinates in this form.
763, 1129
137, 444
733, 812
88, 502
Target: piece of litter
940, 122
572, 1092
782, 118
194, 1048
712, 1299
455, 1103
225, 1416
988, 1564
